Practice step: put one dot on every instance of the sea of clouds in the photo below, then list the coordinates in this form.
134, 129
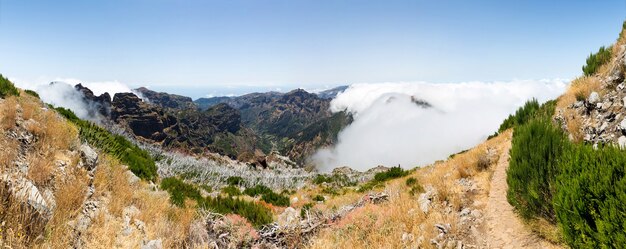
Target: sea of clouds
390, 129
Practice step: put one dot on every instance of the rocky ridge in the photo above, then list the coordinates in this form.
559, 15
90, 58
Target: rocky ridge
603, 111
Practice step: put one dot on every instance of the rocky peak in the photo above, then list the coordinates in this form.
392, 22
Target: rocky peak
142, 119
101, 104
167, 100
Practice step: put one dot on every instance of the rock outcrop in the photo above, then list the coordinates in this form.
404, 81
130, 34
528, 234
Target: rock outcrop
603, 111
143, 119
166, 100
100, 104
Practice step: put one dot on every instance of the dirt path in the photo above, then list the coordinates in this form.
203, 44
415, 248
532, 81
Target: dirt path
504, 227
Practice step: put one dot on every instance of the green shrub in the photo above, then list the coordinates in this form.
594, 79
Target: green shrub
304, 209
533, 168
32, 93
255, 213
590, 199
275, 199
338, 179
138, 160
391, 173
235, 181
179, 191
257, 190
319, 198
524, 114
595, 61
7, 88
411, 181
417, 189
231, 190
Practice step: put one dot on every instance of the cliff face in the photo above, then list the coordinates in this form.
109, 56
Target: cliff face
248, 127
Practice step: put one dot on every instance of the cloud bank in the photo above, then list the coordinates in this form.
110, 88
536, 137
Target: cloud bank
391, 129
61, 92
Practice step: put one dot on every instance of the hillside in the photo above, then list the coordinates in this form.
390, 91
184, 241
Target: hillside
160, 172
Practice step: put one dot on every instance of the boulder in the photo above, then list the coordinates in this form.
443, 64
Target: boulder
88, 156
622, 125
594, 98
153, 244
621, 141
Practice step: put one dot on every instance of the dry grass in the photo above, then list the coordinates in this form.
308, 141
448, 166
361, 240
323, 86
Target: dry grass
546, 230
111, 181
31, 106
41, 168
55, 132
9, 151
579, 89
162, 219
8, 113
70, 195
383, 225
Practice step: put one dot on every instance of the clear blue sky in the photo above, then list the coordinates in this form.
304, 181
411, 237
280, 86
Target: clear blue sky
195, 47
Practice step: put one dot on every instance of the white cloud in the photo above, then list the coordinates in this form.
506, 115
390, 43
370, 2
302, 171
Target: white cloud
390, 129
63, 94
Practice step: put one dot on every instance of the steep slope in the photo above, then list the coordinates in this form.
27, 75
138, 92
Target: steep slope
57, 192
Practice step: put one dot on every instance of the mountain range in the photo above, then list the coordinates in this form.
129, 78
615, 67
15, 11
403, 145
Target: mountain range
246, 127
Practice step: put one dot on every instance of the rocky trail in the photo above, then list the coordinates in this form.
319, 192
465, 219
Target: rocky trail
504, 228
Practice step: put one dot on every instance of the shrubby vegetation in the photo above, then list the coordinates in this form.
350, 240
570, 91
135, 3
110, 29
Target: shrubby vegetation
7, 88
392, 173
179, 191
235, 181
381, 177
138, 160
231, 190
531, 110
535, 153
32, 93
267, 195
573, 185
589, 203
339, 179
595, 61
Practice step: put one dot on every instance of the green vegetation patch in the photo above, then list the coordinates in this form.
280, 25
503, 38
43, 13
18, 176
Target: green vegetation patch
32, 93
596, 60
531, 110
138, 160
589, 203
7, 88
179, 191
381, 177
267, 195
536, 150
577, 187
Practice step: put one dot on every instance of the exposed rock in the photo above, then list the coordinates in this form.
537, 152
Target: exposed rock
88, 156
621, 141
594, 98
25, 191
622, 125
425, 199
101, 104
289, 216
141, 118
153, 244
167, 100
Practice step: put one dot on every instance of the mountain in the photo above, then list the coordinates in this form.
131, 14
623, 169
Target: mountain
293, 124
166, 100
332, 93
